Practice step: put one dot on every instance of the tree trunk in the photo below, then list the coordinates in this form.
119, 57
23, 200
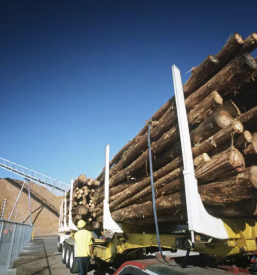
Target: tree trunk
202, 159
158, 114
201, 74
217, 139
229, 160
165, 187
250, 43
205, 108
135, 151
137, 187
176, 202
249, 117
82, 179
230, 50
216, 121
243, 139
225, 79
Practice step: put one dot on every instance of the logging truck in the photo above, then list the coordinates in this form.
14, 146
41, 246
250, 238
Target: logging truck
222, 244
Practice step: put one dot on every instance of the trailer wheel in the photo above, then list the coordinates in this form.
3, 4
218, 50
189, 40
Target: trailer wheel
64, 250
59, 245
74, 266
68, 252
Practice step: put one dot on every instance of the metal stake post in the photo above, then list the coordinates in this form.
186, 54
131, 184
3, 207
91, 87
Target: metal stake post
21, 226
17, 200
29, 204
12, 242
2, 223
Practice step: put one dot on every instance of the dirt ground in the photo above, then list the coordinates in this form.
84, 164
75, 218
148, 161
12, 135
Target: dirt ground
44, 206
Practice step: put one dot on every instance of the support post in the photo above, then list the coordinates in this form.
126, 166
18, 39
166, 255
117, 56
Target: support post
108, 222
29, 204
17, 199
199, 220
2, 222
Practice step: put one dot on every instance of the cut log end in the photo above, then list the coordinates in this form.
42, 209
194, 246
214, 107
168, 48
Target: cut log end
238, 126
217, 98
239, 38
248, 136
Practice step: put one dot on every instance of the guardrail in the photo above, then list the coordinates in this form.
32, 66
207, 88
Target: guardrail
13, 238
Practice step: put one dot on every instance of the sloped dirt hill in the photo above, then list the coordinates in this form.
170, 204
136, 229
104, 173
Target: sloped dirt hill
45, 206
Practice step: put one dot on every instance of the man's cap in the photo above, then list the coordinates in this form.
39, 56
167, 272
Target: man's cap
81, 224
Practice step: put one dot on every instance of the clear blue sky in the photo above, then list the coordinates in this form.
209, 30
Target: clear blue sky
76, 75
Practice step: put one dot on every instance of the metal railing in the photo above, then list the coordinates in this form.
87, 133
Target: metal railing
13, 238
34, 176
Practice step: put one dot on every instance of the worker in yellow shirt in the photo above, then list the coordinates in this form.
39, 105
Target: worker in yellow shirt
83, 247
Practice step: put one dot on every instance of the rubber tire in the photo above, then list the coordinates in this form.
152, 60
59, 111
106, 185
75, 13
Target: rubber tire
68, 253
59, 245
74, 266
64, 250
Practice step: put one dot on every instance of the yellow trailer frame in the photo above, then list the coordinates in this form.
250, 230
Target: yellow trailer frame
242, 238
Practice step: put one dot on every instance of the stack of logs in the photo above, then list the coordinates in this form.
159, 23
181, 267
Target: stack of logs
83, 206
221, 101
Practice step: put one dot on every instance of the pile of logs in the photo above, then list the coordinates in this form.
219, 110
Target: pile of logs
221, 101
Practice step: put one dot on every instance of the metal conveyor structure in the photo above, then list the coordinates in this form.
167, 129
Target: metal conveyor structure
31, 175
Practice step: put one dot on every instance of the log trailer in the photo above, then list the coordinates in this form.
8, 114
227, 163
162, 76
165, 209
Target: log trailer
222, 244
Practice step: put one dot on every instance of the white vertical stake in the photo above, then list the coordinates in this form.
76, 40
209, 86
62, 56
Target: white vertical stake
108, 222
198, 219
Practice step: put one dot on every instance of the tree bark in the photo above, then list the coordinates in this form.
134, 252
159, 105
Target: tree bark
205, 108
176, 202
219, 138
202, 159
249, 117
225, 79
135, 151
201, 74
159, 113
216, 121
229, 160
137, 187
230, 50
243, 139
250, 43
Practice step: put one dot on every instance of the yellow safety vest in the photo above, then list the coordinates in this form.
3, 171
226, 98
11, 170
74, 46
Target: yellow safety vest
83, 239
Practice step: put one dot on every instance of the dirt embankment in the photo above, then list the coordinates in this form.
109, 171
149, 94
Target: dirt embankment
45, 206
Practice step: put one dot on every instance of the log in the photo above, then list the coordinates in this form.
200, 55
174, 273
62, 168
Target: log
250, 43
243, 139
82, 179
230, 50
231, 108
205, 108
242, 186
252, 147
201, 74
157, 146
219, 138
225, 79
81, 210
158, 114
156, 133
216, 121
137, 187
202, 159
176, 202
249, 117
229, 160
